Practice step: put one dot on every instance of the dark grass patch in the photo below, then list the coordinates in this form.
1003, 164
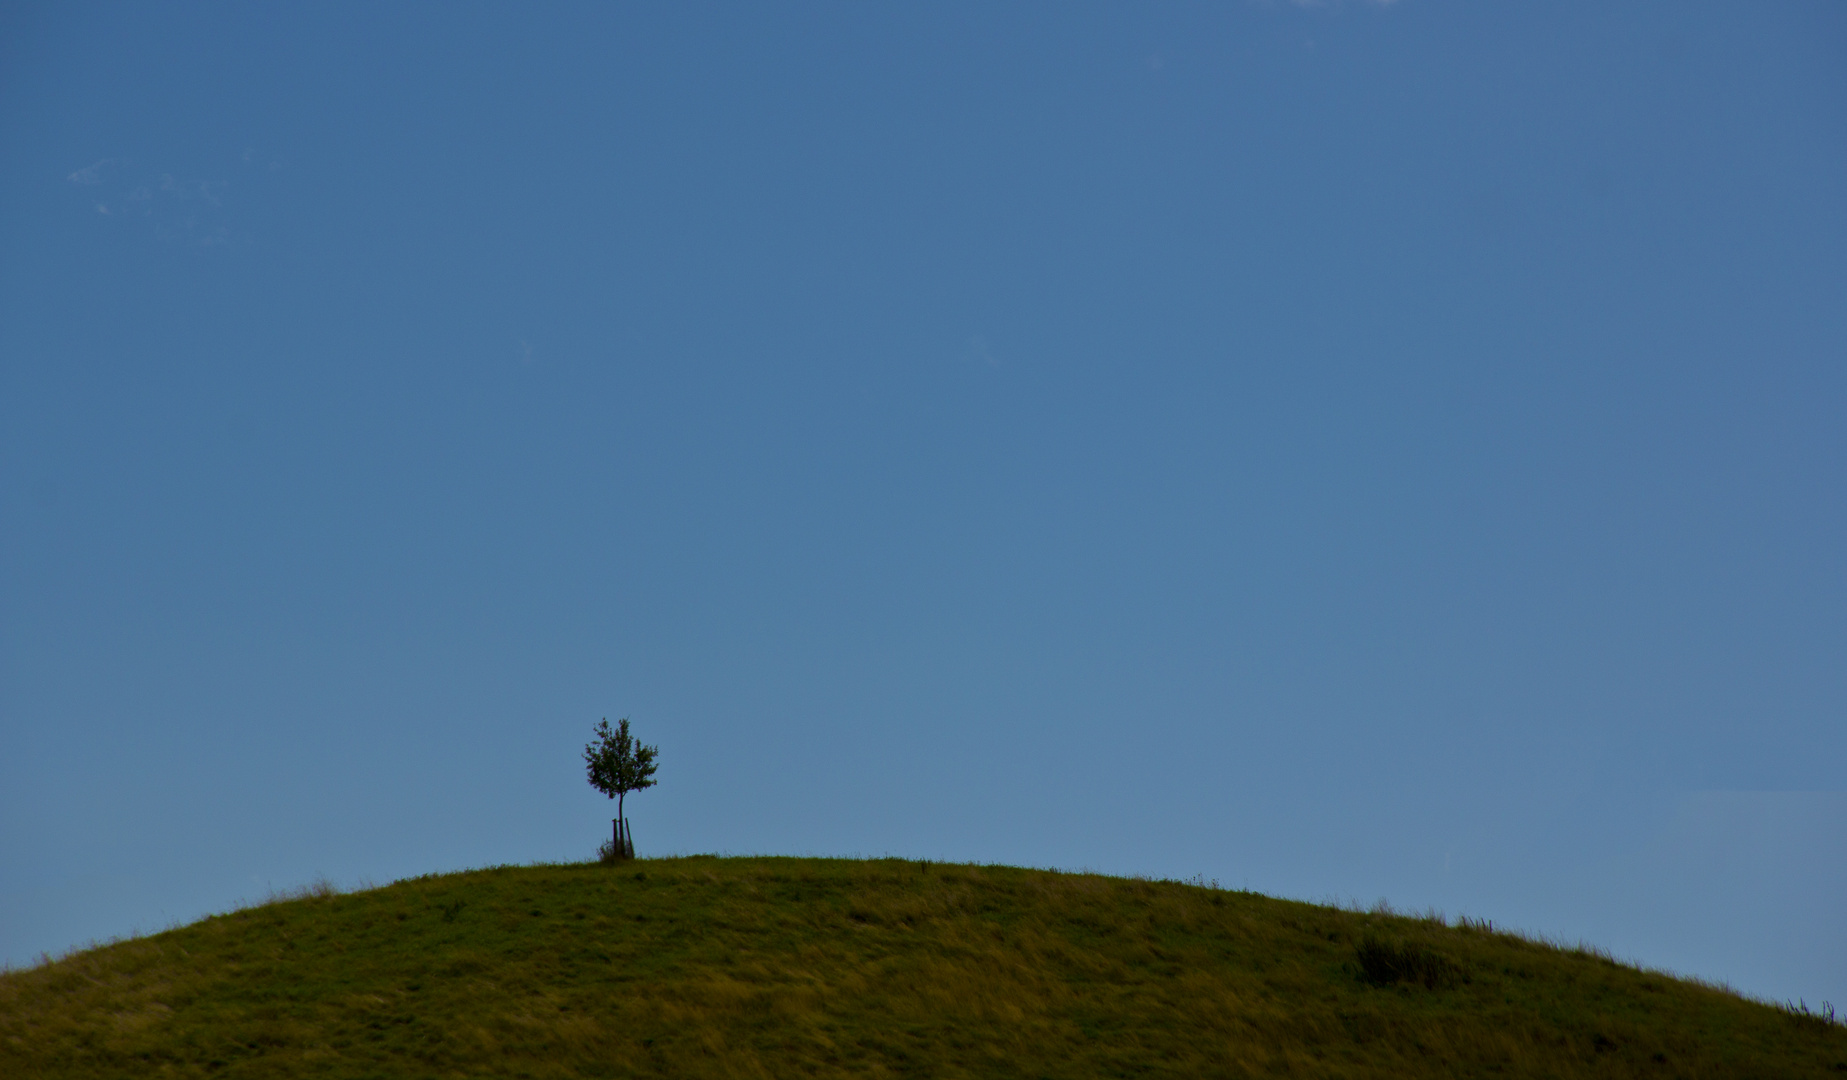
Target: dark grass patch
1384, 962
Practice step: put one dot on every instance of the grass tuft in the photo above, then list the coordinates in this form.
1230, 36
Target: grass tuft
1821, 1019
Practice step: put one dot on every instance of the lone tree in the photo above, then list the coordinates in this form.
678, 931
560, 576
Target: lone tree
618, 764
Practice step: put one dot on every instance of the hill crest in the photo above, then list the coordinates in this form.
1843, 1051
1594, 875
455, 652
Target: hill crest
713, 966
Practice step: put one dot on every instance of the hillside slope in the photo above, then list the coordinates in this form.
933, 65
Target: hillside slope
806, 967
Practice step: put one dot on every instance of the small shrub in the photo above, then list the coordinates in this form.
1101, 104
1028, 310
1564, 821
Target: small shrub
1383, 963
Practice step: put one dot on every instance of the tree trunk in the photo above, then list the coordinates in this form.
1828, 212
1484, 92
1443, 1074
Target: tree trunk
619, 835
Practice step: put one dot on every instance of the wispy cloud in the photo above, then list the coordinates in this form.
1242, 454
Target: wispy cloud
174, 208
91, 174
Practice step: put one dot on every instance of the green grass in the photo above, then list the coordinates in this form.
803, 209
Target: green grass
815, 967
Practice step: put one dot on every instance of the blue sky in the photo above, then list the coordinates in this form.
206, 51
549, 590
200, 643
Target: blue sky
1347, 451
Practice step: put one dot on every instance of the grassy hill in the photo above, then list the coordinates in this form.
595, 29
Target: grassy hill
812, 967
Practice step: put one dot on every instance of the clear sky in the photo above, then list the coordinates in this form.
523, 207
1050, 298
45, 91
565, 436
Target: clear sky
1348, 451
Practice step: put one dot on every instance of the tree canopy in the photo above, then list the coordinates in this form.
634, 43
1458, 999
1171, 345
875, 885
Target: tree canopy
617, 762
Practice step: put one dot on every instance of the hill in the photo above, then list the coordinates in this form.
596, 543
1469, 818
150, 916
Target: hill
809, 967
